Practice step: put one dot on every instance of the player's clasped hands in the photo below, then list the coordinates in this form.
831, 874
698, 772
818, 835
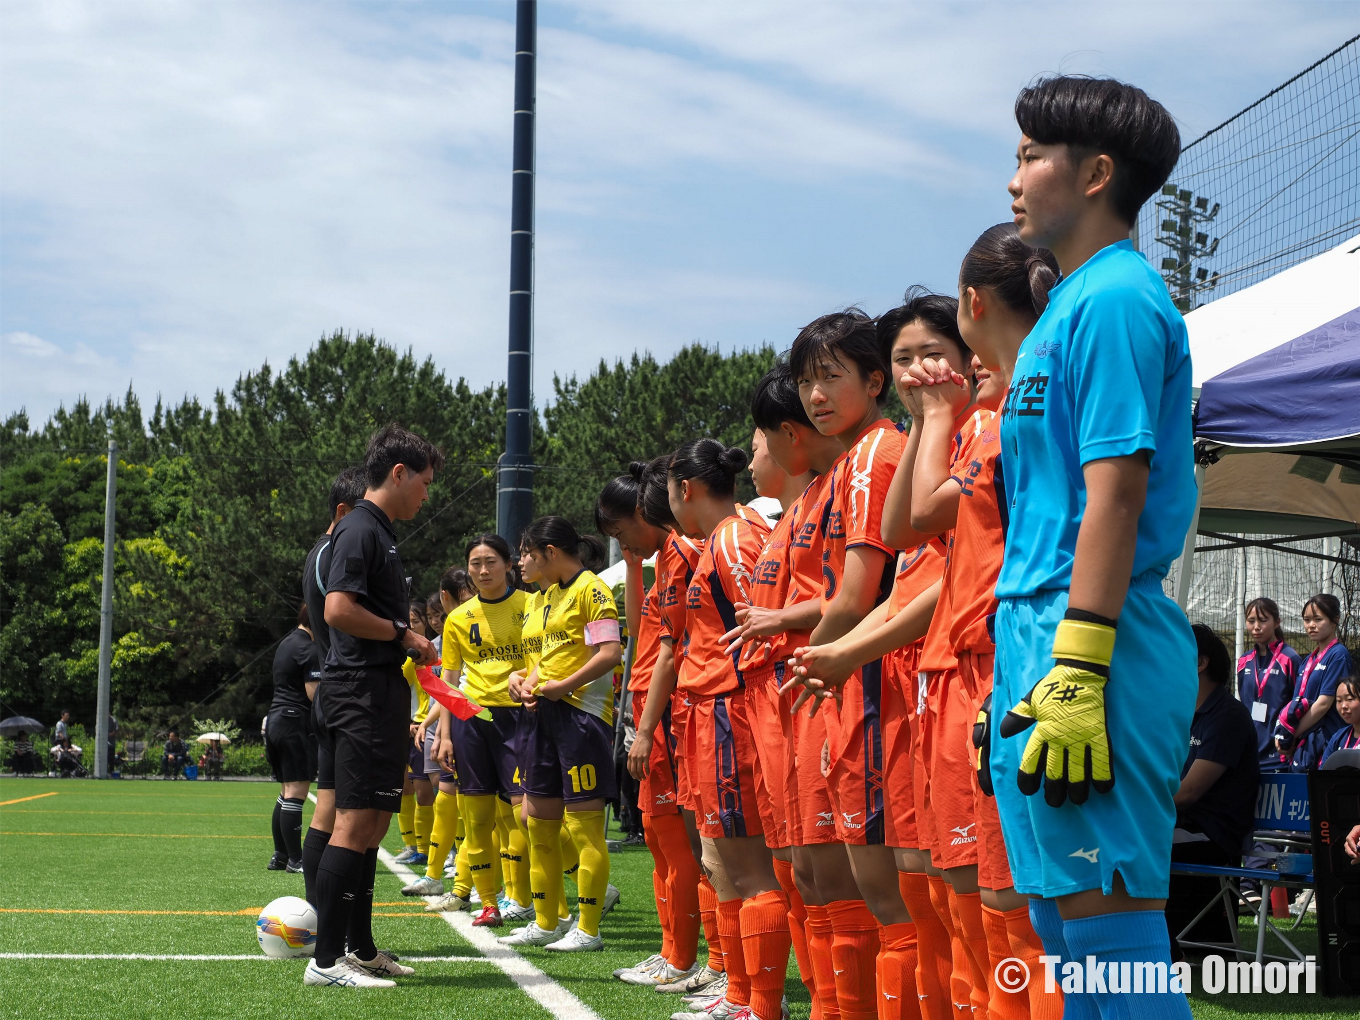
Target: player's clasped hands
752, 622
821, 671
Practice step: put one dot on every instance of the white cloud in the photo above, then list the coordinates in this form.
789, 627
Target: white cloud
188, 189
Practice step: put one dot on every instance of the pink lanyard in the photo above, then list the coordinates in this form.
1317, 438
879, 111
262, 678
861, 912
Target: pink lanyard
1263, 678
1346, 744
1314, 657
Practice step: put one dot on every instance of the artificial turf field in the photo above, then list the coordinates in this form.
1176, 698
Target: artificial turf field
178, 868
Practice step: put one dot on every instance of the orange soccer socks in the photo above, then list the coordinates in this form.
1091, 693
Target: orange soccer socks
783, 871
765, 945
960, 980
734, 957
1004, 1005
708, 911
820, 937
661, 871
967, 909
682, 888
934, 960
897, 972
854, 953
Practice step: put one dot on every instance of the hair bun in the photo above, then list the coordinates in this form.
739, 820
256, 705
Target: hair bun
638, 469
733, 459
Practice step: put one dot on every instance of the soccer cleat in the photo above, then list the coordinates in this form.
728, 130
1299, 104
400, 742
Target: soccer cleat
650, 963
475, 898
704, 999
424, 886
343, 974
577, 941
383, 965
565, 924
419, 860
530, 935
664, 974
702, 982
294, 867
512, 911
489, 917
718, 1009
612, 897
278, 862
448, 902
407, 853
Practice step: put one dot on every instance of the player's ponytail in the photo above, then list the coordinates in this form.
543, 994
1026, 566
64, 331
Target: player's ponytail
1020, 274
559, 532
654, 499
709, 462
618, 502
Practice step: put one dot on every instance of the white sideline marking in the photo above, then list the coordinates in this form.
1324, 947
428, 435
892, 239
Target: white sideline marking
200, 957
530, 980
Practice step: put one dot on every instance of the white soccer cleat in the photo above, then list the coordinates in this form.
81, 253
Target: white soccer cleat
703, 982
612, 898
513, 911
475, 897
530, 935
565, 924
343, 975
577, 941
718, 1009
383, 965
650, 963
664, 974
407, 853
424, 886
448, 902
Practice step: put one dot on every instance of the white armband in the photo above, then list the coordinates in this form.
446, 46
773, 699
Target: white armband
599, 632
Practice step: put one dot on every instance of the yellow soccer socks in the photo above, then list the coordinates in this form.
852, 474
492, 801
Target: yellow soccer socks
592, 877
441, 835
545, 870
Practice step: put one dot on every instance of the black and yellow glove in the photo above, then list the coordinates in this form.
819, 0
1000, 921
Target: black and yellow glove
1070, 745
982, 741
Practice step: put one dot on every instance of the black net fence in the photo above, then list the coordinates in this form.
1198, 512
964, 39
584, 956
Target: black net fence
1271, 186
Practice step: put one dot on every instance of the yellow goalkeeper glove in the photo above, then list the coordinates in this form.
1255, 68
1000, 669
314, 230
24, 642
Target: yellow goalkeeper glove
982, 741
1070, 745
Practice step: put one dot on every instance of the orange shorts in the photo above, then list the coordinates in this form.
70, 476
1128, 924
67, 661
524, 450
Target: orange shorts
899, 723
812, 819
771, 728
994, 872
656, 793
950, 713
723, 765
684, 788
856, 777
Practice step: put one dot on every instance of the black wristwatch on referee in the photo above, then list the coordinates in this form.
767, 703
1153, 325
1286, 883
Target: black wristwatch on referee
402, 627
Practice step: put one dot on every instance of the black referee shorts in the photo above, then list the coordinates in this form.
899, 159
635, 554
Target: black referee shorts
287, 745
325, 751
368, 724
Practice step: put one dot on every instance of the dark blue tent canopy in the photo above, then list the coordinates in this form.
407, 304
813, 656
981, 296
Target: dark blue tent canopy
1303, 392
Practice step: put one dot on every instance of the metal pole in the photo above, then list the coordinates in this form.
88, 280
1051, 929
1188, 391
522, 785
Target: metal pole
515, 476
1240, 589
1186, 571
101, 726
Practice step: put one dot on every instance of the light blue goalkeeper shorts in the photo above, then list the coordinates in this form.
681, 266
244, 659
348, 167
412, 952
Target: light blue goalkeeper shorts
1149, 700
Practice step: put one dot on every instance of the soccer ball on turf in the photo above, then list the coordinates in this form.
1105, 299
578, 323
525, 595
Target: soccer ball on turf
287, 928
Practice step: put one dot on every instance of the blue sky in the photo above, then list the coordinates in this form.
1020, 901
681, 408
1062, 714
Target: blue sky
188, 190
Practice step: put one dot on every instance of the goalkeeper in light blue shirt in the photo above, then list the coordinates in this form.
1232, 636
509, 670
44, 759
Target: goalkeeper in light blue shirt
1095, 667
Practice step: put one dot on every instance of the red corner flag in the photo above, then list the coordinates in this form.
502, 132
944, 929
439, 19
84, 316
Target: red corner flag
455, 701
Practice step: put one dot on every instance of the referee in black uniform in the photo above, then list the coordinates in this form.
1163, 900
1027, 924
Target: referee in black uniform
347, 489
364, 703
287, 739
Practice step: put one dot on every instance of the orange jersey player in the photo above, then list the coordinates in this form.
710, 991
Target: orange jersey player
752, 908
675, 875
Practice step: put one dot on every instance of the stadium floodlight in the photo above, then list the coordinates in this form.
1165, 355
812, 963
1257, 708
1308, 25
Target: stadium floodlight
1201, 203
1184, 214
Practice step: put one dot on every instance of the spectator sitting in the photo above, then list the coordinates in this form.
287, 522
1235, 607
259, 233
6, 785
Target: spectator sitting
211, 761
66, 758
176, 756
24, 758
1216, 802
1348, 707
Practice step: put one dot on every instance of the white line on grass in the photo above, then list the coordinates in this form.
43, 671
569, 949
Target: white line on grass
532, 981
197, 957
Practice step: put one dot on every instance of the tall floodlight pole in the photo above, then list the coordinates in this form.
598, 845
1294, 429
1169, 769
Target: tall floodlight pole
515, 476
101, 726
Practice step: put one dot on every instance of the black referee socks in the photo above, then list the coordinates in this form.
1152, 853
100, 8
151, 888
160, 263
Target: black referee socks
337, 881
